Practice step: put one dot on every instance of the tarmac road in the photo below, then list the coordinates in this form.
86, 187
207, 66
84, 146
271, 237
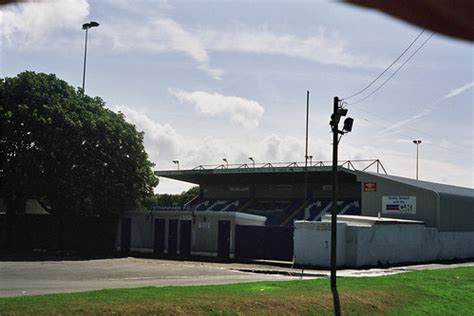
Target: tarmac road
19, 278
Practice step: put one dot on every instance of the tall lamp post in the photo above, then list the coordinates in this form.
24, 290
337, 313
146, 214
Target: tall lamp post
253, 161
417, 142
86, 26
176, 162
226, 163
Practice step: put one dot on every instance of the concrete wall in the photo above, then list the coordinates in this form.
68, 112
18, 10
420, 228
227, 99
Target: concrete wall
369, 245
142, 233
312, 243
205, 233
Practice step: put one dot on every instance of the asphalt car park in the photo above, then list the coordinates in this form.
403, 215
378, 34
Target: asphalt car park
33, 277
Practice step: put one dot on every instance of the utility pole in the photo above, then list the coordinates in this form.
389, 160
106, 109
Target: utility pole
306, 211
335, 141
338, 111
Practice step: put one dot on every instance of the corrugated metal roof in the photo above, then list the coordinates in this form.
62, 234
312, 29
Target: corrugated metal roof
432, 186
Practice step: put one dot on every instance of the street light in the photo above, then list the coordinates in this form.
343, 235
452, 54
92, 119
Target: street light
310, 160
86, 26
253, 161
417, 142
226, 162
176, 162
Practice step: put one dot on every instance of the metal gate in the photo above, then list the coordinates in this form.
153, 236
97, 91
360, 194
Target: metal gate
264, 242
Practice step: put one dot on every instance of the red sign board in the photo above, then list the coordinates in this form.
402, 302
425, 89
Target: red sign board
370, 186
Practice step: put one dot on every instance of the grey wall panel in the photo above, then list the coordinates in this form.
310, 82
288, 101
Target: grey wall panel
142, 232
456, 213
426, 201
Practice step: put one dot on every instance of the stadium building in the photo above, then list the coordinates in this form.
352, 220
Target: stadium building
280, 213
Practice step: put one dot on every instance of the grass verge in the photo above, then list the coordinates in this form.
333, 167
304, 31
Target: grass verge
433, 292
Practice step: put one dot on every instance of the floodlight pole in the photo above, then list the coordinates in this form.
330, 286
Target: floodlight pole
417, 142
306, 211
85, 61
86, 27
335, 141
176, 162
253, 161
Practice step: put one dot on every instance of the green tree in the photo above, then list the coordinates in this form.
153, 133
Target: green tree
171, 200
68, 150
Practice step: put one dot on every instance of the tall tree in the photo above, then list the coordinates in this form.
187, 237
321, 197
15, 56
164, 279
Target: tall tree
68, 150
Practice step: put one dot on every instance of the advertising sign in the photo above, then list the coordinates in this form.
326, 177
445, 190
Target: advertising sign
370, 186
399, 204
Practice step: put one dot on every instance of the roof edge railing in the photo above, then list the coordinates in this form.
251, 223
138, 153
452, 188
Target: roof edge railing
351, 164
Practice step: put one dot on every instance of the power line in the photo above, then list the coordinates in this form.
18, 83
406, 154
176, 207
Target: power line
394, 73
386, 69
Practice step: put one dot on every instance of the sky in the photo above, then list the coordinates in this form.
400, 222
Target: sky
207, 80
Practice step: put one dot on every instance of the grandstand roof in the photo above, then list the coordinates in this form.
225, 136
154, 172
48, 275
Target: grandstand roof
431, 186
255, 175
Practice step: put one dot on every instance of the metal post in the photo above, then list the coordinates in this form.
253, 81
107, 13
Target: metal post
176, 162
416, 161
306, 211
84, 67
417, 142
86, 26
253, 161
335, 133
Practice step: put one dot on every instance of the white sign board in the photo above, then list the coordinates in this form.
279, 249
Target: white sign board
398, 204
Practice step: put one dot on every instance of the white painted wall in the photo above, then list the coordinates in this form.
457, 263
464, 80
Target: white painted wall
380, 243
312, 243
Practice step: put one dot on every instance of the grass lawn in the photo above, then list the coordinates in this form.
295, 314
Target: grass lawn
432, 292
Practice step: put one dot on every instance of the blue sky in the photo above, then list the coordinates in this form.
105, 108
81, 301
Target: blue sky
207, 80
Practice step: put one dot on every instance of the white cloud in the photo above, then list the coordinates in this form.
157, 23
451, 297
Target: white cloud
29, 24
281, 149
157, 35
319, 48
245, 112
35, 24
459, 90
164, 144
161, 141
429, 169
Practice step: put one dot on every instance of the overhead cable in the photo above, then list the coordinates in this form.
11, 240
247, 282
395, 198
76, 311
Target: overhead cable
395, 72
386, 69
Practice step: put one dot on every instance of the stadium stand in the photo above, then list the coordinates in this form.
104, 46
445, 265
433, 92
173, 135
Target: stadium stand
276, 193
